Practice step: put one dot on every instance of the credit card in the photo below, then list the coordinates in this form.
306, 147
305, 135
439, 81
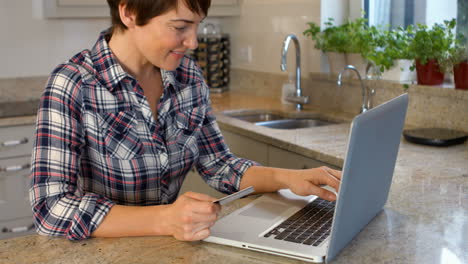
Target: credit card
235, 196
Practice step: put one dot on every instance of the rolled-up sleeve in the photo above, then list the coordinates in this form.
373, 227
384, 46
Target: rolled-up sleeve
60, 207
218, 166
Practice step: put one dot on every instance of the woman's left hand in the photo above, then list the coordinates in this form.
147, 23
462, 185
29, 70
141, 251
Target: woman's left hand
311, 182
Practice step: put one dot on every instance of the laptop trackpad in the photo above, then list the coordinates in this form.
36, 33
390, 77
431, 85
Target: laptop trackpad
265, 210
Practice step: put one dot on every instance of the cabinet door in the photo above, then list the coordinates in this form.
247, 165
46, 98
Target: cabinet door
280, 158
75, 8
224, 2
81, 3
99, 8
245, 147
16, 141
193, 182
224, 8
14, 188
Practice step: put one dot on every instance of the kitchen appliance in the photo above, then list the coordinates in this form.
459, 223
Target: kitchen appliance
441, 137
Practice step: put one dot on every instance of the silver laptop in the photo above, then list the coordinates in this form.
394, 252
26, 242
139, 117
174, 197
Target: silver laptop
315, 230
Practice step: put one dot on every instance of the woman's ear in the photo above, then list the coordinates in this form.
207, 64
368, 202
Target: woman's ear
128, 18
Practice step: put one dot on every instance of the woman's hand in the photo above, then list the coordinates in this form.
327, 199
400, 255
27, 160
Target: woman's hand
311, 181
190, 217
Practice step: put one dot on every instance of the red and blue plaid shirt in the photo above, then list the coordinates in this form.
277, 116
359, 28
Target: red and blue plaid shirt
98, 144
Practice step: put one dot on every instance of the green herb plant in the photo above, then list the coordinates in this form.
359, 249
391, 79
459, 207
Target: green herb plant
388, 46
433, 43
331, 39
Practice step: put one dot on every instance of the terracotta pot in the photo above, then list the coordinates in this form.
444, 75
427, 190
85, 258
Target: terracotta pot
429, 73
460, 74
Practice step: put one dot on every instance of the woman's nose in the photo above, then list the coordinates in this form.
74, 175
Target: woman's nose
191, 42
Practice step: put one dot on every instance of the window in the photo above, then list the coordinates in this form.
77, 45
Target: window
405, 12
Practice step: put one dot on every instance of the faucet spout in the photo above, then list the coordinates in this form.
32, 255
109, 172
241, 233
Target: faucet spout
364, 91
284, 51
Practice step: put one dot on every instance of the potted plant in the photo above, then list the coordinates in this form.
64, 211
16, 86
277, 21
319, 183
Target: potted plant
430, 47
391, 54
360, 40
331, 41
459, 59
344, 44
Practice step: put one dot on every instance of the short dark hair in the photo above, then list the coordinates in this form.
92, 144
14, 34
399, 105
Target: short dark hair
147, 9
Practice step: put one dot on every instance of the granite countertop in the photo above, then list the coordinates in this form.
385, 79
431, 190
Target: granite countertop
424, 221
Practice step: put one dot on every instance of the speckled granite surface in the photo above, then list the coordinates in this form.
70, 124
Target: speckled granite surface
20, 96
424, 221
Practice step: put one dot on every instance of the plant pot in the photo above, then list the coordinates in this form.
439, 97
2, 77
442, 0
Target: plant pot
400, 72
336, 61
429, 73
358, 62
460, 74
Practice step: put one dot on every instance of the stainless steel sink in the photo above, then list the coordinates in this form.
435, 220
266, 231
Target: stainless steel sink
280, 120
259, 117
294, 123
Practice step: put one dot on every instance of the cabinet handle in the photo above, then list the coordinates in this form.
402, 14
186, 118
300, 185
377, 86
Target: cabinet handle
17, 229
11, 143
15, 167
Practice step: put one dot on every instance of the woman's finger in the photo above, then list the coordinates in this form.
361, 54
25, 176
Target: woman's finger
200, 196
335, 173
330, 179
202, 234
322, 193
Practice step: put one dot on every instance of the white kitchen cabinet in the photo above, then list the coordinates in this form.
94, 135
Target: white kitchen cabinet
280, 158
15, 159
265, 154
246, 147
241, 146
224, 8
193, 182
75, 8
99, 8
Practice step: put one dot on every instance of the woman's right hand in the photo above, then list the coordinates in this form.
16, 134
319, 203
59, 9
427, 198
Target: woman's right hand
190, 217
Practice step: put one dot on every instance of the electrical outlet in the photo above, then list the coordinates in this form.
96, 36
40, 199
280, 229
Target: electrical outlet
245, 54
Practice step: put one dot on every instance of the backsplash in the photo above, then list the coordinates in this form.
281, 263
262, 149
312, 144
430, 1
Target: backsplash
429, 106
257, 34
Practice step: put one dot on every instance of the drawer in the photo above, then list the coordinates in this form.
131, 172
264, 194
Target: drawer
280, 158
16, 140
14, 188
247, 148
17, 227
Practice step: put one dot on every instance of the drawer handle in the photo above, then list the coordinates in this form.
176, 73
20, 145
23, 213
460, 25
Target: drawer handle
17, 229
11, 143
15, 167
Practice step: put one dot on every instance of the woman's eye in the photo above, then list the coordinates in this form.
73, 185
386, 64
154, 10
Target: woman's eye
180, 28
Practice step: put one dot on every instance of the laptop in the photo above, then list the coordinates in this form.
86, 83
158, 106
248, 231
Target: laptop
315, 230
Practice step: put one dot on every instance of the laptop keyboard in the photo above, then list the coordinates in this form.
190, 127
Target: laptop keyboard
310, 226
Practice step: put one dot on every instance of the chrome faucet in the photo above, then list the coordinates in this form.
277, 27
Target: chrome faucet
366, 100
297, 97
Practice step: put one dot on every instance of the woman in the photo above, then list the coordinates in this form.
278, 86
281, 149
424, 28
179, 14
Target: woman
119, 127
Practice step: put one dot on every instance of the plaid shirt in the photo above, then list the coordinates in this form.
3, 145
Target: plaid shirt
97, 143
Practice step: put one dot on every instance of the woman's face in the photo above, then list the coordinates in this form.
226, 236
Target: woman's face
165, 38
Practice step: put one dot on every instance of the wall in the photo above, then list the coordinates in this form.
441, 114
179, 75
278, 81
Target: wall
33, 46
257, 34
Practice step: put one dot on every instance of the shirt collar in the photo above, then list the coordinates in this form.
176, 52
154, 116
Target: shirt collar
110, 72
